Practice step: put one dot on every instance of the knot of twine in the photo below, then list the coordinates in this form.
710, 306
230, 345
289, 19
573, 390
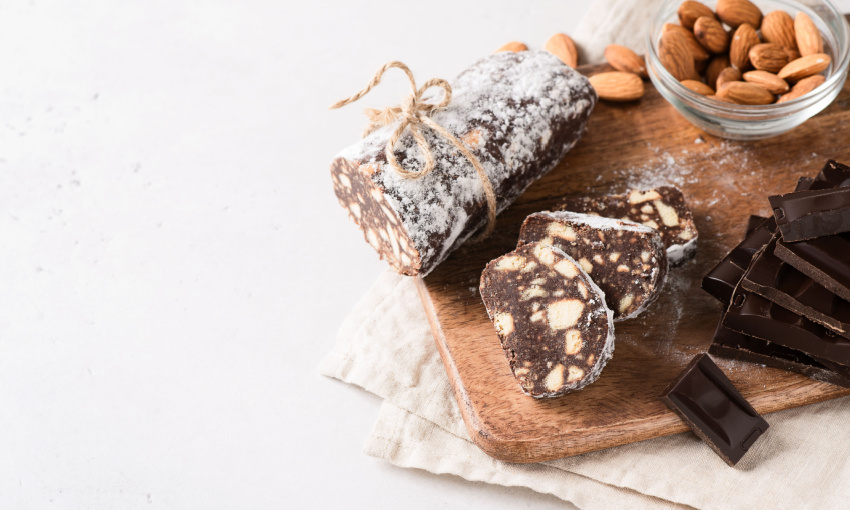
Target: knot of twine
413, 113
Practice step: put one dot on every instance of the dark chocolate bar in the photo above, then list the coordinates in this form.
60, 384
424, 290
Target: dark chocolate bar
770, 277
832, 175
738, 346
756, 316
753, 223
812, 213
825, 260
714, 409
720, 282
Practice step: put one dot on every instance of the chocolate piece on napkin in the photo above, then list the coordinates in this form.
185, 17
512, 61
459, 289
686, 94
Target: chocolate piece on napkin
714, 409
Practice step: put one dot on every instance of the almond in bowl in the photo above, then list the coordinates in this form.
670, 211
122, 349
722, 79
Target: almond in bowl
758, 51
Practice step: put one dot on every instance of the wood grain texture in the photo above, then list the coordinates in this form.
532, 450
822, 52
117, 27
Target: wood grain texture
641, 144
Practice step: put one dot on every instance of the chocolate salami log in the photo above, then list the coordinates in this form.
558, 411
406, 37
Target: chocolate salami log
519, 113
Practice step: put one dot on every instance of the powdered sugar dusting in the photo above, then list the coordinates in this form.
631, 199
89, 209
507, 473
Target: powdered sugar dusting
504, 108
598, 222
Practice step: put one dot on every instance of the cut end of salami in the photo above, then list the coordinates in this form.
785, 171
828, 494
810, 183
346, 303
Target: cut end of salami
552, 321
368, 209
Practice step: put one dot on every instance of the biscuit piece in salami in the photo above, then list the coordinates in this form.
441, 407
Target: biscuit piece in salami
662, 208
625, 259
552, 321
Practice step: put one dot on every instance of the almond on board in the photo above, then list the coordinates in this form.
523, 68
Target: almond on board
563, 47
626, 60
513, 46
617, 86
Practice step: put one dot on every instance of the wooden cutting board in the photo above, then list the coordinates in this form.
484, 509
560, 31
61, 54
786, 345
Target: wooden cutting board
640, 144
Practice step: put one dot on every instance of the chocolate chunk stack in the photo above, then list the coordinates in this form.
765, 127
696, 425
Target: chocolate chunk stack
786, 286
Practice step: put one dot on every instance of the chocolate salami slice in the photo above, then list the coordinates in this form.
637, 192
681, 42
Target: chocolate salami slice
625, 259
519, 113
663, 209
552, 321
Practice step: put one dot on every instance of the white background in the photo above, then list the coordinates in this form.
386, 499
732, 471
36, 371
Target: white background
173, 262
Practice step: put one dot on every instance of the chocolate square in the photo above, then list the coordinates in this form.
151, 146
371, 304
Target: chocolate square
714, 409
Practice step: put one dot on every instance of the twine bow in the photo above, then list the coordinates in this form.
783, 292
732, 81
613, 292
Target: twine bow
414, 113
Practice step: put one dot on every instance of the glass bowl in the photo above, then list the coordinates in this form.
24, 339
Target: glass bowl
751, 122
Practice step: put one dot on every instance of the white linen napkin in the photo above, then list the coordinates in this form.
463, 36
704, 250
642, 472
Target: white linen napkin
385, 346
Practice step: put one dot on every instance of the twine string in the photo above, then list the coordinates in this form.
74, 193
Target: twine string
413, 113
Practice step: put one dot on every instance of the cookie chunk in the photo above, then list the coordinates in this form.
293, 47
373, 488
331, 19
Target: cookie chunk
628, 261
663, 209
552, 321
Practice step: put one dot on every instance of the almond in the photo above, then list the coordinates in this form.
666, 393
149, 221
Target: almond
742, 92
736, 12
690, 11
698, 87
739, 49
769, 57
563, 47
617, 86
778, 27
809, 39
721, 99
717, 64
792, 54
675, 56
727, 75
803, 87
697, 51
804, 66
513, 46
711, 34
769, 81
624, 59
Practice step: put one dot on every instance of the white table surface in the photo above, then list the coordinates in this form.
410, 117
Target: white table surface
173, 262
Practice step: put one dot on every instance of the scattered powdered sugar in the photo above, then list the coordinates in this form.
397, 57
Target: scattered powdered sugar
598, 222
504, 109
